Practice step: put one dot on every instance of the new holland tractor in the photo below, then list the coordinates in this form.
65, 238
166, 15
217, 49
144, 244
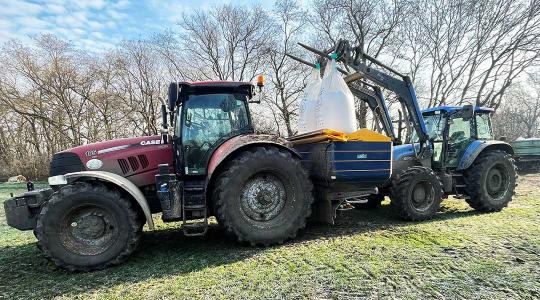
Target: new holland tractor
455, 142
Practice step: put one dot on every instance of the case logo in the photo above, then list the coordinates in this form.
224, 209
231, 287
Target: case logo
150, 142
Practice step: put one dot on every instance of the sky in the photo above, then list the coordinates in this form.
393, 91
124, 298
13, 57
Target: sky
95, 25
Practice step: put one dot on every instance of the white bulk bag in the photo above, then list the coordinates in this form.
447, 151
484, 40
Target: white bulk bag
307, 119
335, 105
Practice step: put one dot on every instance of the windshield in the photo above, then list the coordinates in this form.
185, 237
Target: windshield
434, 125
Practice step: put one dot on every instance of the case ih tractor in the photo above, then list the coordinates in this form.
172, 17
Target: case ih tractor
102, 194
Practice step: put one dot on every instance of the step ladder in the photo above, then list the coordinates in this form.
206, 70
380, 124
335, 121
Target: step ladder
194, 205
458, 186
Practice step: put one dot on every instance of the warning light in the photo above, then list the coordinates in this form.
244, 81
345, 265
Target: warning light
260, 81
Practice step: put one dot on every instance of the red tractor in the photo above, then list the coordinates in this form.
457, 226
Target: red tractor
213, 163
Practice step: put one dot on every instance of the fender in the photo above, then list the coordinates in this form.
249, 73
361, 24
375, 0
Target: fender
476, 147
115, 179
239, 142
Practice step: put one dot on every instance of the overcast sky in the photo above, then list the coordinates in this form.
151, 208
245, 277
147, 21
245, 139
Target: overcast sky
94, 25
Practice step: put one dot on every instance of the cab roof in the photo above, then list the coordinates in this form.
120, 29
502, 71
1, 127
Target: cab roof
449, 109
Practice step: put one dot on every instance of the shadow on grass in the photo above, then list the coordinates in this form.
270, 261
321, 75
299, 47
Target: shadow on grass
24, 273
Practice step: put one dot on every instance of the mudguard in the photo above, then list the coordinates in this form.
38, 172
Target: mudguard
242, 141
115, 179
476, 147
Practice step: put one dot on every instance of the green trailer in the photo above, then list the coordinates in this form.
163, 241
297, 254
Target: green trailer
527, 154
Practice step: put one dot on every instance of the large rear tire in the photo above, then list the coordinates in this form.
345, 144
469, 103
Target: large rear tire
491, 181
87, 226
416, 194
263, 196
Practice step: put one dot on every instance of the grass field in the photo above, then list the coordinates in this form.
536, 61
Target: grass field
367, 254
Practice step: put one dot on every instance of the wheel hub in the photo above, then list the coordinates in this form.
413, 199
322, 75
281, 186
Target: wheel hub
494, 181
263, 197
89, 226
419, 194
88, 230
422, 195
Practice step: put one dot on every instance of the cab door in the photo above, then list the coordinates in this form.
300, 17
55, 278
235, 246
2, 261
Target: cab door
209, 120
460, 135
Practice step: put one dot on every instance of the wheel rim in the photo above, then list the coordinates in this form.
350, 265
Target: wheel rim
422, 195
497, 181
263, 197
89, 230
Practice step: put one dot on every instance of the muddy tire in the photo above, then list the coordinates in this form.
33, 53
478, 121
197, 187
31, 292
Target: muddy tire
416, 194
263, 196
87, 226
374, 201
491, 181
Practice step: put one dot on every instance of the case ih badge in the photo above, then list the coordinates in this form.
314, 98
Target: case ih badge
150, 142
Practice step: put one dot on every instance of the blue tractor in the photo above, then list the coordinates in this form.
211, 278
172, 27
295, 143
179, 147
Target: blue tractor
470, 163
450, 149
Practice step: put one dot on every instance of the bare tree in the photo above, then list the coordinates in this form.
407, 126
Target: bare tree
472, 51
519, 114
226, 42
287, 76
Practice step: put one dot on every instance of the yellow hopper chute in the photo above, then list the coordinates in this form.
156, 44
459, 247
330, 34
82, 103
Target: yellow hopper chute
330, 135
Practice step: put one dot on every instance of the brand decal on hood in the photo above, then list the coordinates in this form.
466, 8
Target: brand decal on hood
90, 152
151, 142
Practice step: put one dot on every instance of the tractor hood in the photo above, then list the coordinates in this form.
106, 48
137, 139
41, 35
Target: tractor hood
134, 158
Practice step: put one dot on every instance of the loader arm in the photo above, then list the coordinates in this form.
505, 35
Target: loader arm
375, 100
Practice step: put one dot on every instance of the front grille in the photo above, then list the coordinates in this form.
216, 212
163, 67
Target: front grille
65, 162
123, 165
134, 163
144, 161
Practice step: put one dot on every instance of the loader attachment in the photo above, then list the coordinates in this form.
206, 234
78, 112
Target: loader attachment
359, 66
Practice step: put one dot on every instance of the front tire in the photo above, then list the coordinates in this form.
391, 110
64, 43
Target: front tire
416, 194
263, 196
491, 181
87, 226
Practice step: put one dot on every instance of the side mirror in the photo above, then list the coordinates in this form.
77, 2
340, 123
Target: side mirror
468, 112
173, 94
164, 123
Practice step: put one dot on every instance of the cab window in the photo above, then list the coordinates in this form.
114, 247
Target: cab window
483, 127
459, 138
208, 121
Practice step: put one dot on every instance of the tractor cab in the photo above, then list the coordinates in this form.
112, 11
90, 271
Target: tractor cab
204, 115
452, 130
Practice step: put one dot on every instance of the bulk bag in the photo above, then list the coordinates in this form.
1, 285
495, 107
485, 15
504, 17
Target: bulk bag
307, 119
335, 105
